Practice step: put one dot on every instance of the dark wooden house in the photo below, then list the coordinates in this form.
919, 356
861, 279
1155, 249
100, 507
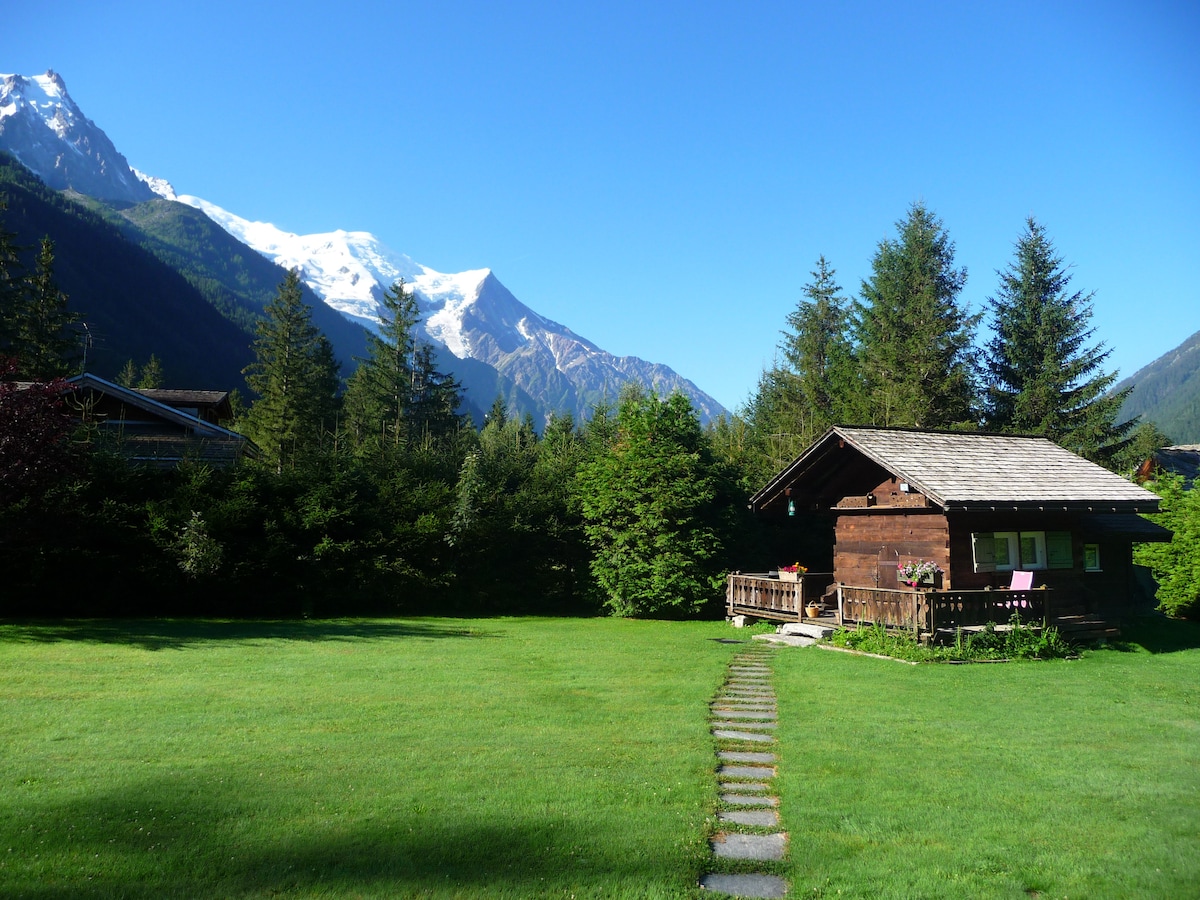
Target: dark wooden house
155, 427
980, 507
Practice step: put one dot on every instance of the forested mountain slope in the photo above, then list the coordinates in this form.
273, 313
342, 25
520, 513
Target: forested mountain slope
1167, 392
132, 303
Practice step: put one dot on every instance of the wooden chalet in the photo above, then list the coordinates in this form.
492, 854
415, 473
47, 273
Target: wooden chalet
156, 427
1013, 523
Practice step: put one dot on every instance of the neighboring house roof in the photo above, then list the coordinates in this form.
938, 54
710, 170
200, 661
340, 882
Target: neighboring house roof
211, 406
1182, 459
972, 470
194, 427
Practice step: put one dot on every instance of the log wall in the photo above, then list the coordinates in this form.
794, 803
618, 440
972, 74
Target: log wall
870, 543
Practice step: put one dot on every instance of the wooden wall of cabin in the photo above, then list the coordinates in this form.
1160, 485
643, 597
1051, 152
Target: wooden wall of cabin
871, 541
1078, 591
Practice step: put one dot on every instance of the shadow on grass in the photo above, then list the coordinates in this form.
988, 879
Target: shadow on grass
160, 839
1158, 634
179, 634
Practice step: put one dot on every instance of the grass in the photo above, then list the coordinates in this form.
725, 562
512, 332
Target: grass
1065, 778
1016, 641
431, 758
558, 758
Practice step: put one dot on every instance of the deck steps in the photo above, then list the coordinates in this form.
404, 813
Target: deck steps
1085, 628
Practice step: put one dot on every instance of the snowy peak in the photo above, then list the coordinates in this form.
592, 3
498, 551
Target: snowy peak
498, 344
472, 314
39, 120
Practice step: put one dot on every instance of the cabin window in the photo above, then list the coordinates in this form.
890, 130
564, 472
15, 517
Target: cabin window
1091, 557
1015, 550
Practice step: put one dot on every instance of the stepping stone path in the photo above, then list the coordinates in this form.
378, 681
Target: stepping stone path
743, 722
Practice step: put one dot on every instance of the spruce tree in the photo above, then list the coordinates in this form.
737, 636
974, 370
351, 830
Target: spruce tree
433, 406
46, 348
818, 351
1043, 375
380, 389
128, 376
295, 376
914, 337
151, 376
12, 290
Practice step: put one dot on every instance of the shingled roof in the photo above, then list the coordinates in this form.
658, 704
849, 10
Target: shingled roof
973, 470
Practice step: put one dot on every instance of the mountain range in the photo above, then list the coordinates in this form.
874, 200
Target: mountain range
494, 344
1167, 392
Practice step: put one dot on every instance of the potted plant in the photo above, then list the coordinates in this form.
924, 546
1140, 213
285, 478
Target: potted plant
792, 572
918, 573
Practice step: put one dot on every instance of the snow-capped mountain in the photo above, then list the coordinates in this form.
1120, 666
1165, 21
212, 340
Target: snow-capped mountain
471, 314
42, 127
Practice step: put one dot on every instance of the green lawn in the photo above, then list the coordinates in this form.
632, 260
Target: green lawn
442, 758
1076, 778
551, 758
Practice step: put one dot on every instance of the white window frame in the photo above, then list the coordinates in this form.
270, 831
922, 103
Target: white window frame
1039, 550
1013, 541
1095, 549
1010, 540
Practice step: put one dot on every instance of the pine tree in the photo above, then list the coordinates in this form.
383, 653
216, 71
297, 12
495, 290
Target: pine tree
914, 338
380, 390
128, 376
1042, 375
295, 376
12, 290
433, 406
819, 354
151, 376
46, 348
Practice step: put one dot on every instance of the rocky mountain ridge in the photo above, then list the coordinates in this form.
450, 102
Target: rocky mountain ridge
492, 341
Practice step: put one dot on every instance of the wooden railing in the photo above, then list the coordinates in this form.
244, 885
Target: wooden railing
927, 611
882, 606
955, 609
767, 597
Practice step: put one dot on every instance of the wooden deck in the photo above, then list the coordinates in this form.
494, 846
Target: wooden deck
931, 611
926, 612
765, 596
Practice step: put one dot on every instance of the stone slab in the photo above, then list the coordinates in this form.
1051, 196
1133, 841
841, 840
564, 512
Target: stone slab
763, 887
746, 771
743, 787
762, 715
761, 847
749, 800
730, 735
763, 818
804, 629
762, 705
787, 640
756, 726
745, 756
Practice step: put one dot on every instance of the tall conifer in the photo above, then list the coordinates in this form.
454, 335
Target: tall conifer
295, 376
1043, 377
914, 337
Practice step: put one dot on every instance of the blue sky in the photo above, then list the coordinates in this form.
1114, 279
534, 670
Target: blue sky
661, 177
